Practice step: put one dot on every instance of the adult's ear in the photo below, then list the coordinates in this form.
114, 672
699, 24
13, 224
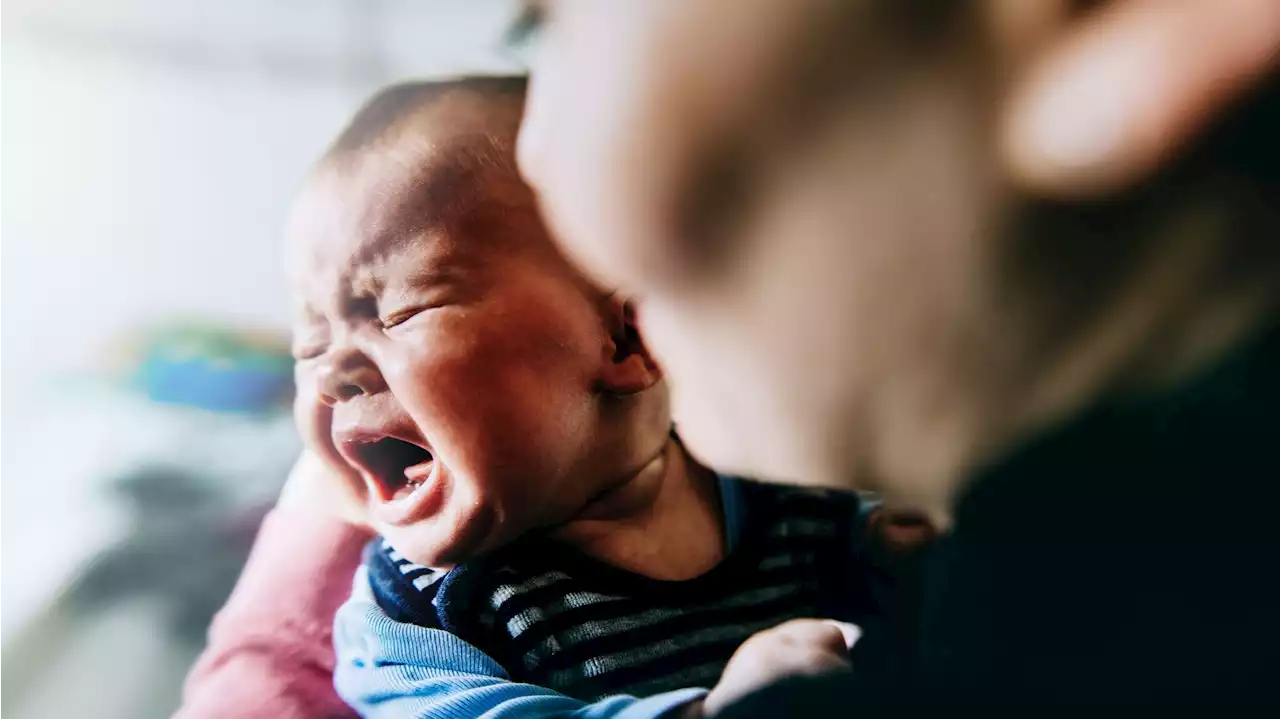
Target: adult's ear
1128, 85
627, 366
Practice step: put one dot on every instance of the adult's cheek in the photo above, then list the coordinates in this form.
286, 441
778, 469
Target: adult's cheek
614, 128
578, 122
702, 411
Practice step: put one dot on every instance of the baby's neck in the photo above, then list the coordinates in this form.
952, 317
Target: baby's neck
664, 523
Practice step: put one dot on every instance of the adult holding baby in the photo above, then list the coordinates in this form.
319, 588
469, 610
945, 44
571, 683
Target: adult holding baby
1197, 79
1013, 263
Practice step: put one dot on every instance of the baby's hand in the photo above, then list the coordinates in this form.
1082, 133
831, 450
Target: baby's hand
800, 647
895, 536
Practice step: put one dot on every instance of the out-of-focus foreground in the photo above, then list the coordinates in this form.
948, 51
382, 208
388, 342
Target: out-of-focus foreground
151, 150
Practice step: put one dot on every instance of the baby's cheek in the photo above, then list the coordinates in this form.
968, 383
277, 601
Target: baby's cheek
314, 420
307, 410
462, 530
501, 408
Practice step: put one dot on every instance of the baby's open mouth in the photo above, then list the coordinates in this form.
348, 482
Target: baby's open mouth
395, 466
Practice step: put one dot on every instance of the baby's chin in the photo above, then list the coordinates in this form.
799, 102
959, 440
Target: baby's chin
446, 539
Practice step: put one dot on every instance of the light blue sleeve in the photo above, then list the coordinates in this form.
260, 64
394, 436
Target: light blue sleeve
390, 670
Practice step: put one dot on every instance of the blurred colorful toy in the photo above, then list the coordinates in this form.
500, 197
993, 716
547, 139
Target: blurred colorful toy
214, 368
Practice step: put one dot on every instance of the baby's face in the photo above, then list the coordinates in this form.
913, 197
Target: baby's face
446, 354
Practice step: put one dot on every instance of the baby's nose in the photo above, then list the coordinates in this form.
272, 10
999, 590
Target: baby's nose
347, 375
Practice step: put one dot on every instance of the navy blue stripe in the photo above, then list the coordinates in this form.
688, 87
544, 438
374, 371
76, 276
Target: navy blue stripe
547, 597
804, 549
778, 608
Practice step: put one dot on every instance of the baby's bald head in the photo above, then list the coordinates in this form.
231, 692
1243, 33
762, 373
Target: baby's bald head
488, 105
439, 139
423, 157
428, 164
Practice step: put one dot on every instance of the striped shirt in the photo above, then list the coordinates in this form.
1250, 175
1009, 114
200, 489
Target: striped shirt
558, 619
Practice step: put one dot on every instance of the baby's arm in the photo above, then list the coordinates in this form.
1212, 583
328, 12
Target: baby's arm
393, 670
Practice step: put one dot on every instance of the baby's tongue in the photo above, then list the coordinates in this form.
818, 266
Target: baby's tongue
413, 478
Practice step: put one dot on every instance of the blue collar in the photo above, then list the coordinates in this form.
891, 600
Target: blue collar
734, 506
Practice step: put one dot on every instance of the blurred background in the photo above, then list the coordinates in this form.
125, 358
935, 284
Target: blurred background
151, 149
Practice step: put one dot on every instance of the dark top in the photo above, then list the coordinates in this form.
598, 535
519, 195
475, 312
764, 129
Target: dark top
556, 618
1127, 558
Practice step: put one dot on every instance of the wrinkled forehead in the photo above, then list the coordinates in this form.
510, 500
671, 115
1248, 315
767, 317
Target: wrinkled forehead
357, 211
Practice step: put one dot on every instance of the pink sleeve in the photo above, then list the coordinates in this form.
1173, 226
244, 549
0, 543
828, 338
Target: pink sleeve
270, 651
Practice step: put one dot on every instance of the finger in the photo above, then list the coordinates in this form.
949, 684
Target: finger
821, 634
1130, 85
903, 532
851, 632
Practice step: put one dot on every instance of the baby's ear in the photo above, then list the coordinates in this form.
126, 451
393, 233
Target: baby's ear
628, 367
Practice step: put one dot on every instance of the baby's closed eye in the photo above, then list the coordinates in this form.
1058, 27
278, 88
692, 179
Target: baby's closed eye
428, 293
400, 315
